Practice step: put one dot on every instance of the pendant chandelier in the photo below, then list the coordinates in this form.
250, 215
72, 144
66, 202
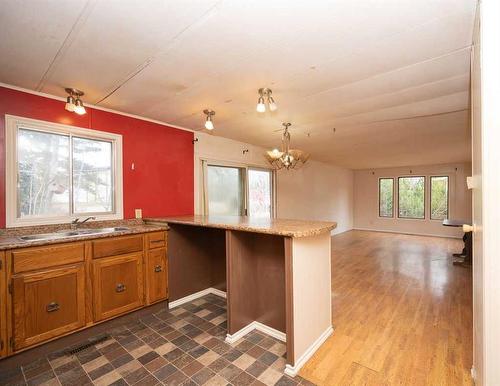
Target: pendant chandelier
286, 158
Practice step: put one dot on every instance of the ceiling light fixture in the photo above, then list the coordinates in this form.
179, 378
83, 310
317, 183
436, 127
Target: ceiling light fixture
209, 124
265, 95
73, 101
286, 158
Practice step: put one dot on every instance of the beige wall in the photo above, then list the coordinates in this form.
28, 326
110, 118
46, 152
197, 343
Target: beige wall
318, 191
366, 200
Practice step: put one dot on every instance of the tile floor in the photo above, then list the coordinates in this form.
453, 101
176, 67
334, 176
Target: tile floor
184, 346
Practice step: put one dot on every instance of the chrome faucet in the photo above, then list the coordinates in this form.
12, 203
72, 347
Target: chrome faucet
76, 223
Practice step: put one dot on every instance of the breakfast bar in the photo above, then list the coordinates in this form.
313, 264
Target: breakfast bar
275, 273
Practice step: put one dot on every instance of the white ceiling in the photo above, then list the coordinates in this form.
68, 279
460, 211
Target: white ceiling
392, 76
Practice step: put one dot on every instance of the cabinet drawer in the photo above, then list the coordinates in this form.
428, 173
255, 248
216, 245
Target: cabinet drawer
48, 304
117, 246
157, 275
157, 240
118, 285
30, 259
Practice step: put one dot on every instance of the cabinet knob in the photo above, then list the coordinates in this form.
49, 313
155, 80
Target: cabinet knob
53, 306
158, 268
120, 287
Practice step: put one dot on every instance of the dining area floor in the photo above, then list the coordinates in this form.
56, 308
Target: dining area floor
402, 313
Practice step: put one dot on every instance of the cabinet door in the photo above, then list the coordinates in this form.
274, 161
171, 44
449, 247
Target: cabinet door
47, 304
157, 275
3, 305
118, 285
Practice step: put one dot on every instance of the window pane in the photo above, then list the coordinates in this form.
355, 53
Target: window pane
439, 198
92, 176
259, 193
411, 197
386, 197
225, 192
43, 168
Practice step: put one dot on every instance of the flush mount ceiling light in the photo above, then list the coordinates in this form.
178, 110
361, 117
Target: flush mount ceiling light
265, 95
209, 125
286, 158
73, 101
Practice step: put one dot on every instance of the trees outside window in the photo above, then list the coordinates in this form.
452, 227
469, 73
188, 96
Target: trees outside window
386, 197
56, 173
439, 197
411, 197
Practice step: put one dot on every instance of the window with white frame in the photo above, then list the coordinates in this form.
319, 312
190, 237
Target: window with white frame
56, 173
237, 190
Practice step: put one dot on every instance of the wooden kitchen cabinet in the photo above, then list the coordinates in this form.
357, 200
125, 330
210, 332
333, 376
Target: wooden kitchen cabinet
47, 304
157, 240
156, 275
3, 305
53, 290
118, 285
117, 246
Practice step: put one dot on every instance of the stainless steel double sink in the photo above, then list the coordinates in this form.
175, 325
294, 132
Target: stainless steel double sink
72, 233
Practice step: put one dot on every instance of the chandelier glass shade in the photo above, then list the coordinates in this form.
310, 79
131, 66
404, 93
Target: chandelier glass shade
265, 97
73, 102
209, 124
286, 158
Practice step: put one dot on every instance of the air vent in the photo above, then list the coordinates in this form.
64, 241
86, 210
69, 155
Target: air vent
84, 346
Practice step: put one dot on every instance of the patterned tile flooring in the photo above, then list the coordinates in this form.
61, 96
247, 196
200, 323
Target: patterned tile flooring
183, 346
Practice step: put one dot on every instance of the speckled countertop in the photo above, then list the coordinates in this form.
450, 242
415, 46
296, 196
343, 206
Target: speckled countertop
281, 227
9, 238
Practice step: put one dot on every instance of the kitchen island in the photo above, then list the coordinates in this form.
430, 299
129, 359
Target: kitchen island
275, 273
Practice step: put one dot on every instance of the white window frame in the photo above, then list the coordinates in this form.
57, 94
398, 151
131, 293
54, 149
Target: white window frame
205, 162
12, 125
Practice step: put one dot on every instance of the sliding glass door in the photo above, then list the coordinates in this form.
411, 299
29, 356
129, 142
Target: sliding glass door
260, 187
225, 190
237, 191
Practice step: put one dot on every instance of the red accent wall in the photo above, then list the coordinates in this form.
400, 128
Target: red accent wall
162, 183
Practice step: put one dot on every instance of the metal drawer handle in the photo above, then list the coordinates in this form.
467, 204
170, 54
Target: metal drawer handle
158, 268
157, 241
120, 287
53, 306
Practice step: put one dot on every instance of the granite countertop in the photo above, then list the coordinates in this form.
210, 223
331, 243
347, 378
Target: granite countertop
9, 238
281, 227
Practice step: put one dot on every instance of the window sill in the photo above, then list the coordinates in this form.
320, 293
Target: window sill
17, 223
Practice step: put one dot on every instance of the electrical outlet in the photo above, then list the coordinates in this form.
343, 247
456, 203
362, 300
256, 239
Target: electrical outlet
138, 213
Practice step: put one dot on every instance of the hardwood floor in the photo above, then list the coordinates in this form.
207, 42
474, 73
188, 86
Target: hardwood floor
402, 313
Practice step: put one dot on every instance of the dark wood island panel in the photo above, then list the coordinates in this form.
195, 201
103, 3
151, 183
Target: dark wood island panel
197, 260
256, 280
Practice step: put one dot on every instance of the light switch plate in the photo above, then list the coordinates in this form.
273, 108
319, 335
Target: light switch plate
138, 213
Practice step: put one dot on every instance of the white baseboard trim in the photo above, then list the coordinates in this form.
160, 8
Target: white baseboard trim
196, 295
292, 371
217, 292
255, 326
406, 233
